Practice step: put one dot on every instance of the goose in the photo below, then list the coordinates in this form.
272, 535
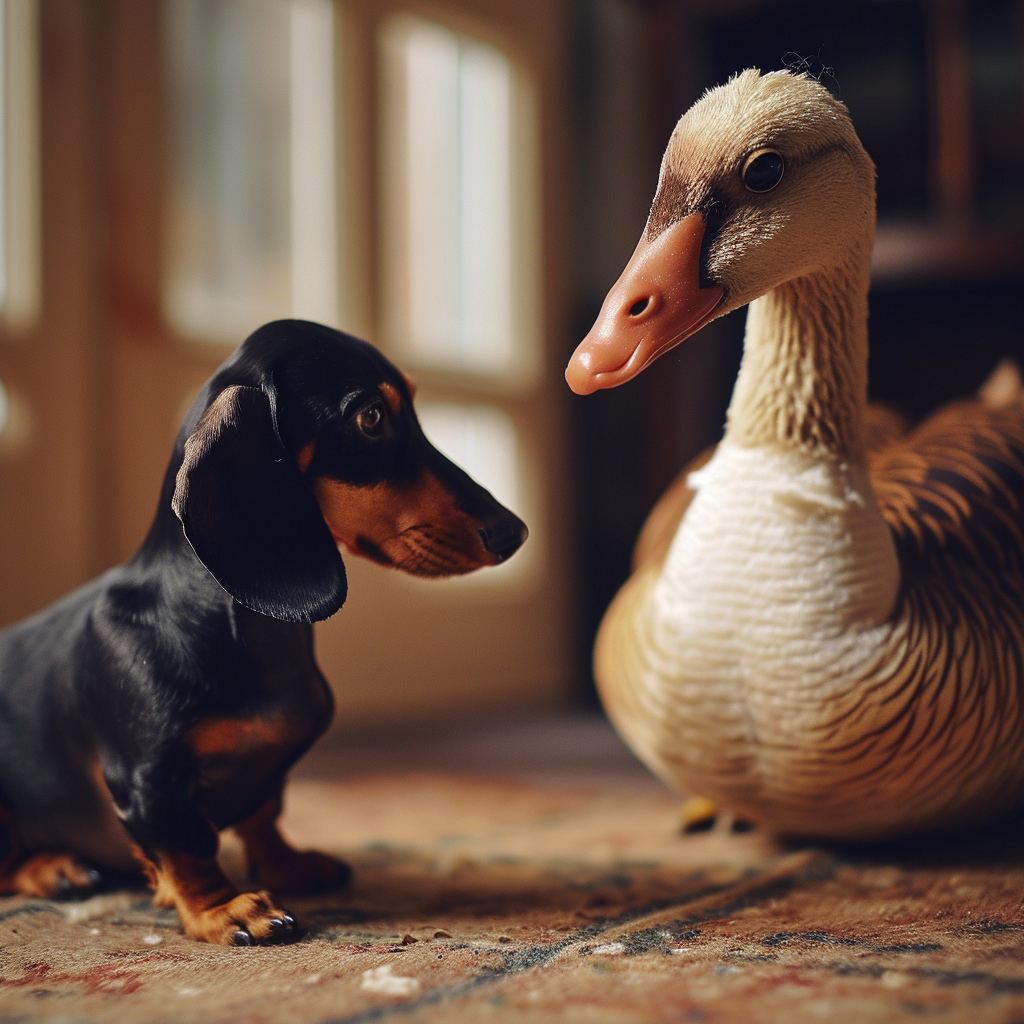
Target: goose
824, 629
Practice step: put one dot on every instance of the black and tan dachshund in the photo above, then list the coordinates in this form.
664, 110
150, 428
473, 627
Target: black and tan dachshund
166, 700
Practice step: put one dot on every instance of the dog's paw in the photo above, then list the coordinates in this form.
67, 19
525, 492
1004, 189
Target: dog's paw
55, 876
251, 919
304, 873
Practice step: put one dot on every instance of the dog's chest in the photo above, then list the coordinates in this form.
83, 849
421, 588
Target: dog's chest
242, 754
239, 763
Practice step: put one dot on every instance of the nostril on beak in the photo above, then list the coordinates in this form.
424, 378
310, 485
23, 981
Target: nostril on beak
639, 306
504, 537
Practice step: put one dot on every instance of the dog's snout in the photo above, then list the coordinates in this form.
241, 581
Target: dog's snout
504, 536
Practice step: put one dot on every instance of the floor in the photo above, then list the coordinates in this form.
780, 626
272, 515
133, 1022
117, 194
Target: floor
534, 872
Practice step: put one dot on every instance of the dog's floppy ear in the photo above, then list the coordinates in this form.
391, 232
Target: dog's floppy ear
250, 518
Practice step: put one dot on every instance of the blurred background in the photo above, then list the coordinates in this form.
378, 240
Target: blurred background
458, 181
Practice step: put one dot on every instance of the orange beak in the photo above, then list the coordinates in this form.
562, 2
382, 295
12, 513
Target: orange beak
655, 304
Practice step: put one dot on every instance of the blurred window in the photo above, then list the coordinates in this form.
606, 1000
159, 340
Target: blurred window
3, 181
19, 162
482, 440
459, 218
252, 232
453, 120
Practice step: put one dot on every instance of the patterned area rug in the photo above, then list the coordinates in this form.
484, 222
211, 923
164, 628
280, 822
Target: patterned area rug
538, 895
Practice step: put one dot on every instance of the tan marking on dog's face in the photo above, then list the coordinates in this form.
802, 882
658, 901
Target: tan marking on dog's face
392, 397
419, 528
214, 736
305, 456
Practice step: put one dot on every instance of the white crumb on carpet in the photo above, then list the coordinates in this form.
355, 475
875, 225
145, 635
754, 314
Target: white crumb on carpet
380, 979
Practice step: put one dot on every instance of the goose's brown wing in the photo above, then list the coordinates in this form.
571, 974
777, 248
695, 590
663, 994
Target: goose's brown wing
949, 694
952, 490
883, 426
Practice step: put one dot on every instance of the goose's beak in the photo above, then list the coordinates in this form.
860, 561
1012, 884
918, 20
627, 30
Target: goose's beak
654, 305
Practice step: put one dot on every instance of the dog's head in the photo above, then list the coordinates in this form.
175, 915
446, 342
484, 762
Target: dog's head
304, 440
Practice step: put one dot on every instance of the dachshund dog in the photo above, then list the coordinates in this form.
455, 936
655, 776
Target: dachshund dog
167, 699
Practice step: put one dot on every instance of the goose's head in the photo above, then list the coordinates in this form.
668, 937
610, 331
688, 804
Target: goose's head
764, 180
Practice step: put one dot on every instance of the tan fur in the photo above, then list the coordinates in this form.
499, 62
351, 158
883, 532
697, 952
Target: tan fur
237, 736
209, 906
417, 528
305, 456
47, 876
392, 397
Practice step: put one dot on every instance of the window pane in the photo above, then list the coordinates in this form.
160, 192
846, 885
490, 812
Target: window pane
449, 198
480, 439
314, 185
3, 170
486, 206
19, 162
432, 199
252, 231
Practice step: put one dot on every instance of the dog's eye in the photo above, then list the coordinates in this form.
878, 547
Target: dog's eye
371, 419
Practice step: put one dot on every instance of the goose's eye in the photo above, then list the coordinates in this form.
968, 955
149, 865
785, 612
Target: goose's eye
371, 419
763, 170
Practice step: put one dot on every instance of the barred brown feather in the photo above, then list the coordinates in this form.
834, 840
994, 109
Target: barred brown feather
952, 492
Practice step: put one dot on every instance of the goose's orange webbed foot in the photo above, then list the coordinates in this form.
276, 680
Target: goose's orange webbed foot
699, 814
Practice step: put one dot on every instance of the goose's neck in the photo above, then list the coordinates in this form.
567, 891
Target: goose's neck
785, 532
803, 380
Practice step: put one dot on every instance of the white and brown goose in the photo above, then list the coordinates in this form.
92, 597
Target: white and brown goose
824, 631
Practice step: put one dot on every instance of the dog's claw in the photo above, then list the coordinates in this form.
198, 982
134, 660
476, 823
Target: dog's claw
250, 919
284, 928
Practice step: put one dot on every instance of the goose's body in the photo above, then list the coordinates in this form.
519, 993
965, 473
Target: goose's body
833, 641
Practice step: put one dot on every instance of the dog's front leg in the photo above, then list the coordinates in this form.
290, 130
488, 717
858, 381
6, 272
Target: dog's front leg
177, 847
275, 863
211, 909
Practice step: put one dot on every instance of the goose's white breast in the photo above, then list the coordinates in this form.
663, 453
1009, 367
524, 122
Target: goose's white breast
774, 598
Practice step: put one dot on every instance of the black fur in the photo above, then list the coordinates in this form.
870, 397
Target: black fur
250, 520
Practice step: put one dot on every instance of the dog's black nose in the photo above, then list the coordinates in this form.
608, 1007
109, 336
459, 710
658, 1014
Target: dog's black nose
503, 537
